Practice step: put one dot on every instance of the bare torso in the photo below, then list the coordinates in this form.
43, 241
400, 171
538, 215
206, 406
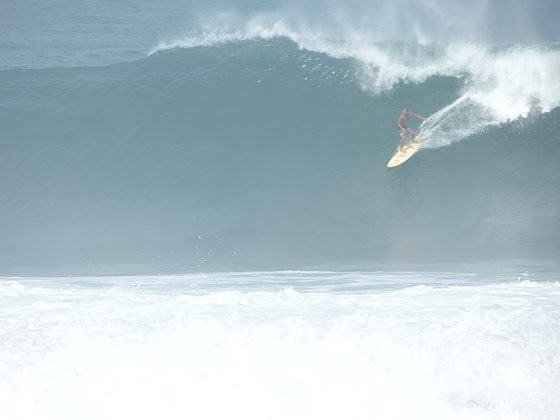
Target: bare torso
403, 118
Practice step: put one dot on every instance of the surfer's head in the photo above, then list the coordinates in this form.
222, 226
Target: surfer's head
404, 110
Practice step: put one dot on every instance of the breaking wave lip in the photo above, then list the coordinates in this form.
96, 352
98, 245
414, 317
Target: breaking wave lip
500, 84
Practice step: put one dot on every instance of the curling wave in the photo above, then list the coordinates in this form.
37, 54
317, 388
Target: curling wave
270, 153
499, 85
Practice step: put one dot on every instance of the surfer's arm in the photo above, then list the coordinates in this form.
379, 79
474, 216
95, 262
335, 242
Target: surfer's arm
420, 117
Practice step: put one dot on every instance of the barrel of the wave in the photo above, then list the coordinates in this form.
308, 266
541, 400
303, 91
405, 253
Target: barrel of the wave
404, 154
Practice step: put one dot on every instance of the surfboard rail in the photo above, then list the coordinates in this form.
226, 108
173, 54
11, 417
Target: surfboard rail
403, 155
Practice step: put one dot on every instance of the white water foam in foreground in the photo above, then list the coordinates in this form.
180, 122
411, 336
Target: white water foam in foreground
245, 346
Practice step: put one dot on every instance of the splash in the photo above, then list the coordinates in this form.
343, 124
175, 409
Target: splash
500, 84
500, 87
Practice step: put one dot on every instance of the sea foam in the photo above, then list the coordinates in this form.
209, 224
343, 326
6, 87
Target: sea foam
141, 347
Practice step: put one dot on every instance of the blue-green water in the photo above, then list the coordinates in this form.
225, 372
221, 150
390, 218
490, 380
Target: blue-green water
266, 148
196, 220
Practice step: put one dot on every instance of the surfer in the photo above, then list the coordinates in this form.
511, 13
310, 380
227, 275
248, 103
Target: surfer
401, 123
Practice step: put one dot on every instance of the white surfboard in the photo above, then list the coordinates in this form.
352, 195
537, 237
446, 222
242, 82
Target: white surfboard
402, 156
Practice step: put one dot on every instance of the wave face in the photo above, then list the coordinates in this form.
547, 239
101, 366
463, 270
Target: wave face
268, 149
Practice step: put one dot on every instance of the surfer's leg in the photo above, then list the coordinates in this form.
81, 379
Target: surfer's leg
412, 136
403, 138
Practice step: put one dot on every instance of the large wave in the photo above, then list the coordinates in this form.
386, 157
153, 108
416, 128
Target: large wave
270, 151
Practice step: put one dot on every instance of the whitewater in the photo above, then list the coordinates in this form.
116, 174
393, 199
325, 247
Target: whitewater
244, 345
197, 220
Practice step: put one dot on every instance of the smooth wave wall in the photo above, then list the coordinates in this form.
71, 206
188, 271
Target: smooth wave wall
260, 153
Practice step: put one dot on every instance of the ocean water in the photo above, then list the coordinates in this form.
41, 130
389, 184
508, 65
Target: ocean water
197, 222
280, 345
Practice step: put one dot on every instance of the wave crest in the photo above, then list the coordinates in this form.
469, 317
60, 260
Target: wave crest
499, 84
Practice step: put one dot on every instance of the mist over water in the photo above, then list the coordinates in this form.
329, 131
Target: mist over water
82, 33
